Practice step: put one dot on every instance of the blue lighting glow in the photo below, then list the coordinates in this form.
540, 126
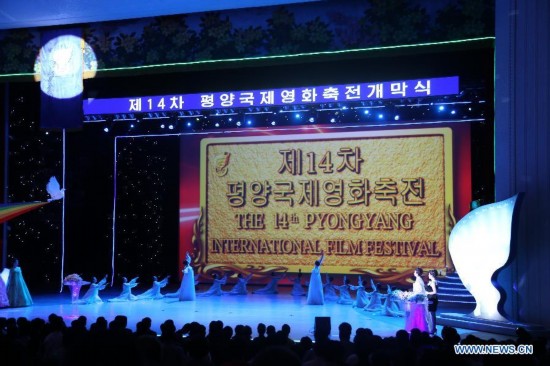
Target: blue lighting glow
188, 124
441, 108
332, 120
170, 127
217, 125
311, 119
366, 111
380, 116
273, 123
239, 123
396, 118
106, 129
297, 115
162, 125
453, 112
249, 122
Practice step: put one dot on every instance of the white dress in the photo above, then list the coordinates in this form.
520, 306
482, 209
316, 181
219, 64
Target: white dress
126, 294
418, 287
4, 301
215, 289
186, 292
315, 290
154, 292
92, 295
240, 287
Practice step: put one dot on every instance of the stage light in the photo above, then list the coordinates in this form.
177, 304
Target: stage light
132, 125
162, 125
366, 111
170, 127
441, 108
106, 129
396, 118
297, 116
311, 119
453, 112
273, 123
239, 123
380, 116
217, 124
188, 124
332, 120
230, 119
47, 133
249, 122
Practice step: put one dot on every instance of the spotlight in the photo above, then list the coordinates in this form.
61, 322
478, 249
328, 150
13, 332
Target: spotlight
396, 118
453, 112
162, 125
132, 125
230, 119
366, 111
217, 124
188, 124
441, 108
239, 123
273, 123
106, 129
380, 116
297, 115
311, 119
47, 133
170, 127
332, 120
249, 122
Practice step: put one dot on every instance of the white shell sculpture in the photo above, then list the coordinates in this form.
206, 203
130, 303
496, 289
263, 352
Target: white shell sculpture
479, 246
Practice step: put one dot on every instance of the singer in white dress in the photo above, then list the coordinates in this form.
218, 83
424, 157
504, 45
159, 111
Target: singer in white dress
315, 294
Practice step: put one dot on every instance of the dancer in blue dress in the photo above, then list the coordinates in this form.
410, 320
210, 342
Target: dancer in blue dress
375, 299
240, 286
271, 287
329, 289
154, 292
18, 293
216, 288
92, 295
297, 288
186, 292
126, 294
315, 289
345, 297
391, 306
361, 297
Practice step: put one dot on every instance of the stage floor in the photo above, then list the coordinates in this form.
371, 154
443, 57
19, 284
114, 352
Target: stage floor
249, 310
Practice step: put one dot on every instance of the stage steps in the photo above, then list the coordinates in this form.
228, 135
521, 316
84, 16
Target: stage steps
451, 291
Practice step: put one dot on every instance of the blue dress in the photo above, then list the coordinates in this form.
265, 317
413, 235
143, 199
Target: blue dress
315, 289
17, 290
18, 293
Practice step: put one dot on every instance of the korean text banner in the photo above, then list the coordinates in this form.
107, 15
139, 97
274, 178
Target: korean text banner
373, 199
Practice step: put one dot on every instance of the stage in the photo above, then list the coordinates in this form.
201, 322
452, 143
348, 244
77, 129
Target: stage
249, 310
